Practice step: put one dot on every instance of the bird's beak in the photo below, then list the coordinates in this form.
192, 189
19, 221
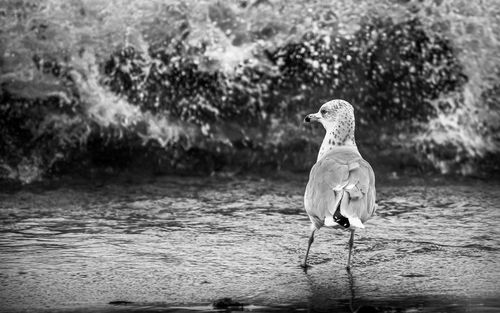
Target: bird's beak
312, 118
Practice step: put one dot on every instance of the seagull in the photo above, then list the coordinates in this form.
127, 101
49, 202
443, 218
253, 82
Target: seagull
341, 188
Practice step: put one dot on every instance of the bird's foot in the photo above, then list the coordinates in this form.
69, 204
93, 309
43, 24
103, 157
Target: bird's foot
348, 268
305, 266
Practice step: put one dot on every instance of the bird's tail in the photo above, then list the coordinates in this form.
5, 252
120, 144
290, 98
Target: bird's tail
356, 222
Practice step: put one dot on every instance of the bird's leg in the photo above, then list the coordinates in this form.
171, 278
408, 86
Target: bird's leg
311, 240
351, 244
353, 294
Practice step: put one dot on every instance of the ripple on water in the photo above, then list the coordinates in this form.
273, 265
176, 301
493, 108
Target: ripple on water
191, 241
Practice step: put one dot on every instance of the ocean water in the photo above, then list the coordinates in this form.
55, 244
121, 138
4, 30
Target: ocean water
180, 244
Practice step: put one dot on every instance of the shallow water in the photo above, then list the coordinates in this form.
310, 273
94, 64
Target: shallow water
177, 244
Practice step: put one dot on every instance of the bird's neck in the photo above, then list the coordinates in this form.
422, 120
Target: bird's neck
336, 138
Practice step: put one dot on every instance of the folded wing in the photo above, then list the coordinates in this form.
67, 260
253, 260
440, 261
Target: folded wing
343, 181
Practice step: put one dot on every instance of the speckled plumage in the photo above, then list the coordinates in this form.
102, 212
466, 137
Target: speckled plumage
341, 184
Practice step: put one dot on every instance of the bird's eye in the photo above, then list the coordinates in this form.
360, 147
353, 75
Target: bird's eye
323, 111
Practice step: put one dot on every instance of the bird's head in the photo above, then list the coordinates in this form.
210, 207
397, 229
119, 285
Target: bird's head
334, 114
337, 117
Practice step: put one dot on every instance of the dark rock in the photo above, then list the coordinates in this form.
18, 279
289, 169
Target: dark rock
120, 302
225, 303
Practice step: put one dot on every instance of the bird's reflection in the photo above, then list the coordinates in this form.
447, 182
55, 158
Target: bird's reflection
330, 291
350, 277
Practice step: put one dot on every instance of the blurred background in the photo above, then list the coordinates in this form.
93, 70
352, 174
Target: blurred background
197, 87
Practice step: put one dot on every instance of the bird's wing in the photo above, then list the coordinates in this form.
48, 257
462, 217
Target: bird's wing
346, 182
357, 197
